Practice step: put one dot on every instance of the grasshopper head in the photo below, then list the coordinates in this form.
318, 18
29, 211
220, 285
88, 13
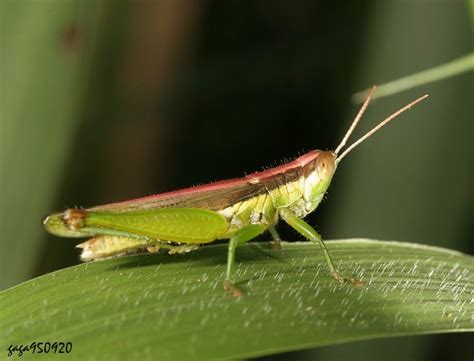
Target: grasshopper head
326, 165
66, 224
318, 178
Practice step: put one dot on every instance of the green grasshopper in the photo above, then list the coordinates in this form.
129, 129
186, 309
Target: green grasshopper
238, 209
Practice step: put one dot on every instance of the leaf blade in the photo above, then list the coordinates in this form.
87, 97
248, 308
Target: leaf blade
149, 305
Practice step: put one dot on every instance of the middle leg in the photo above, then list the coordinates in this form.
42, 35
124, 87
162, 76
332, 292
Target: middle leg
242, 236
276, 242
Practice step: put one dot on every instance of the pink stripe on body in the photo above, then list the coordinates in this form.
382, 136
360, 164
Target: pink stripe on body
232, 183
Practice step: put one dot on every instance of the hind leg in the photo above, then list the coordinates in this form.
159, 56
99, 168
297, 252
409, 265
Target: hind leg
179, 249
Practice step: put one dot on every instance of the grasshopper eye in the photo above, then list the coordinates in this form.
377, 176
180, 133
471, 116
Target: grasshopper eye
325, 165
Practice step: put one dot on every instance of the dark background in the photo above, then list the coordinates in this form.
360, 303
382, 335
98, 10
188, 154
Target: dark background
105, 101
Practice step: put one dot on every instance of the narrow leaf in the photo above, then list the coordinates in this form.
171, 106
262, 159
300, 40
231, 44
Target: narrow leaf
452, 68
173, 307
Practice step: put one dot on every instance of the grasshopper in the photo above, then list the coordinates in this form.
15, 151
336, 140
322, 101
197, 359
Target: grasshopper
238, 209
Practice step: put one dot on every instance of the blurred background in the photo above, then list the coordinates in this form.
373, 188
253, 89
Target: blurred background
103, 101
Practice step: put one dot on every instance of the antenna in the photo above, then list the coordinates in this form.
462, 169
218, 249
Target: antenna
378, 127
356, 120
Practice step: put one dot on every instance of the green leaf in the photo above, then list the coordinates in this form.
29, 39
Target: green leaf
173, 307
46, 52
455, 67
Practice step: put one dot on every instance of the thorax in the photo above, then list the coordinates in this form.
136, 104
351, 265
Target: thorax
297, 188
